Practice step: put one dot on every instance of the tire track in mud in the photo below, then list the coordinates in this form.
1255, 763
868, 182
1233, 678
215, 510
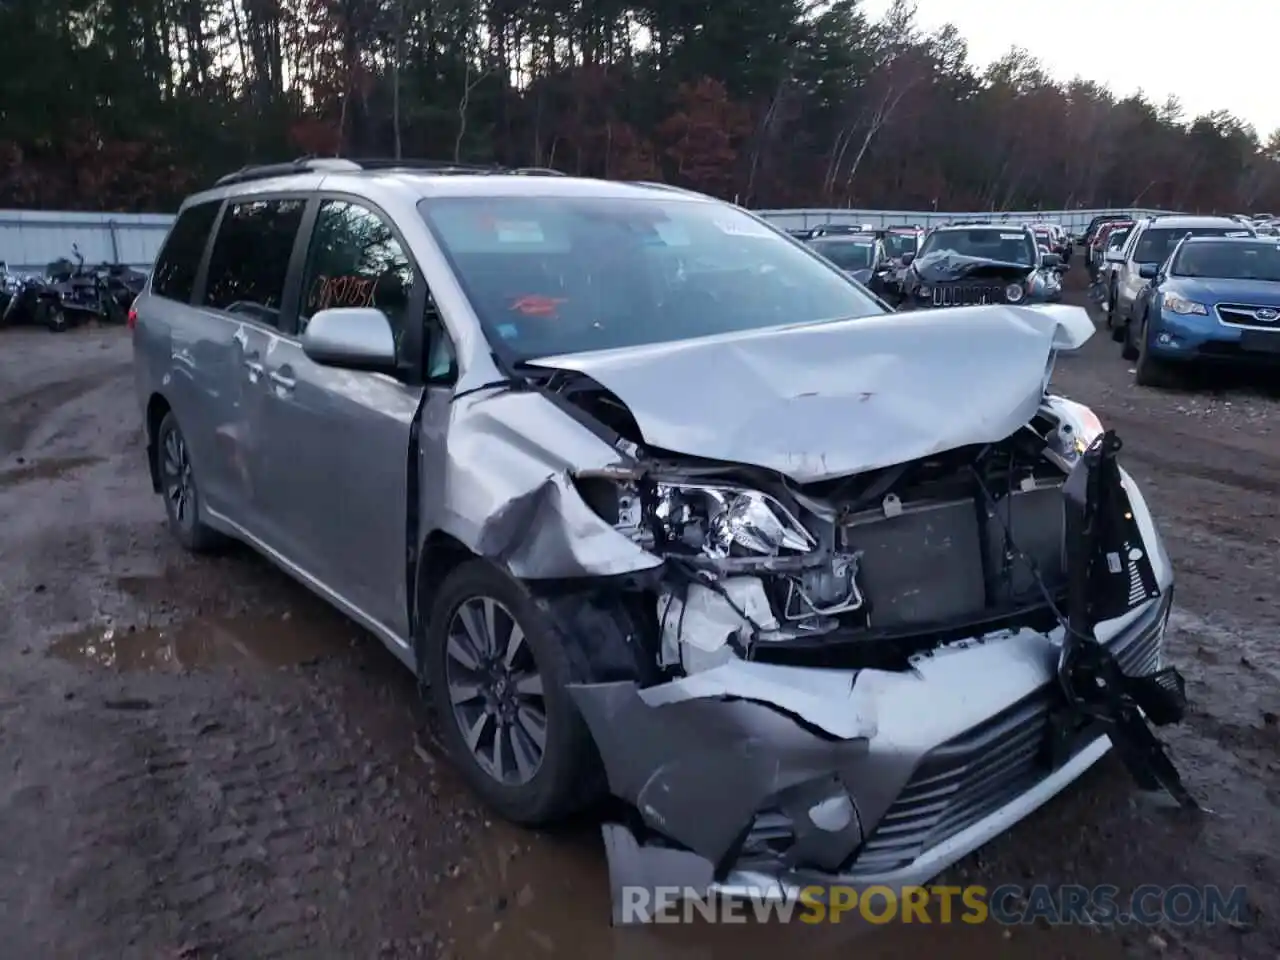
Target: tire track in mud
21, 415
247, 827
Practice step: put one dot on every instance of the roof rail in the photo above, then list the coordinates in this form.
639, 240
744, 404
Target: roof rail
301, 165
311, 164
434, 166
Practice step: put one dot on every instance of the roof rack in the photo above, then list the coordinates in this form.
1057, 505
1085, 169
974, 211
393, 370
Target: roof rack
301, 165
312, 164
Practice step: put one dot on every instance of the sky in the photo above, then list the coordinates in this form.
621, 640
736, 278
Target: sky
1211, 56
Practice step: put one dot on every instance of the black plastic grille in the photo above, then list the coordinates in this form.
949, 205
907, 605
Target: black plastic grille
976, 773
966, 294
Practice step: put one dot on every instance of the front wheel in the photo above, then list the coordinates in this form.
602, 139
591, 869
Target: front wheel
1113, 315
1150, 371
1128, 349
56, 320
498, 683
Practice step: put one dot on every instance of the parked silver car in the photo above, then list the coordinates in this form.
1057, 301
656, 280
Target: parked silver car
656, 501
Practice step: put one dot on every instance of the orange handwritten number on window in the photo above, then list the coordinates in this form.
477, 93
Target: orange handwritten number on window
350, 291
534, 305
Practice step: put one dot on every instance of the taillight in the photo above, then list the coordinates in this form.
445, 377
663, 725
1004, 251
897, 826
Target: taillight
133, 317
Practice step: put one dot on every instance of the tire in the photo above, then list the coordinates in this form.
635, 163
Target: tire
56, 320
1112, 314
180, 490
1150, 371
1128, 350
567, 776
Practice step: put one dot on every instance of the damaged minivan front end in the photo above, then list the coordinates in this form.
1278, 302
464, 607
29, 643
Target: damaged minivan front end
884, 594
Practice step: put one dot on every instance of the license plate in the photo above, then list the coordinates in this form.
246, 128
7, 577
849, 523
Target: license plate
1260, 341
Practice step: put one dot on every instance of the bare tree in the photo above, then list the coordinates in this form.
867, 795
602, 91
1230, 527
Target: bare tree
395, 78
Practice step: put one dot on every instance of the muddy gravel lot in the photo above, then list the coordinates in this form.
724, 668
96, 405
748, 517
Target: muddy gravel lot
199, 759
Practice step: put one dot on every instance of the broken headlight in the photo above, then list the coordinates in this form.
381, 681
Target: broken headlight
714, 520
1078, 427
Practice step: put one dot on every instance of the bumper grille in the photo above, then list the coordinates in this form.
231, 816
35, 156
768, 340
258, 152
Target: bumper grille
980, 771
967, 294
1244, 315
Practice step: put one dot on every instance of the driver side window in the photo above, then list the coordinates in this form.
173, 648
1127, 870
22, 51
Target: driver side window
355, 260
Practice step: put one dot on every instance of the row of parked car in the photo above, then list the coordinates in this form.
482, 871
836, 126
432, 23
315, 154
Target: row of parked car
68, 293
1183, 291
963, 263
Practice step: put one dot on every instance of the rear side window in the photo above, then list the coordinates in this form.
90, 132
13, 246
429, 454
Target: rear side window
250, 260
174, 276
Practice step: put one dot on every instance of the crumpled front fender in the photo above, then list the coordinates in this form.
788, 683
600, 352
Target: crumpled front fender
504, 490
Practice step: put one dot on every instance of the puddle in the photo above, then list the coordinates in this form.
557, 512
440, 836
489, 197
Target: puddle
524, 895
204, 643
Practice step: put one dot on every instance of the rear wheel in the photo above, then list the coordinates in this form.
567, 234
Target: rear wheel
56, 320
498, 683
180, 490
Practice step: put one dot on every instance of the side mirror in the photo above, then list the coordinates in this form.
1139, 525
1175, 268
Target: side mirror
907, 258
353, 338
1051, 261
1148, 271
1114, 256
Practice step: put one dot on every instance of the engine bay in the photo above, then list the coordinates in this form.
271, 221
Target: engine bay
860, 571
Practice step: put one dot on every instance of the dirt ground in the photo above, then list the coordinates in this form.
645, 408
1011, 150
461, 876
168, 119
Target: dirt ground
199, 759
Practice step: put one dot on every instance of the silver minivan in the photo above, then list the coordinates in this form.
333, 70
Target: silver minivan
657, 502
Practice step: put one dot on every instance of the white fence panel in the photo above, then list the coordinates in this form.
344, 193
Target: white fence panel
30, 240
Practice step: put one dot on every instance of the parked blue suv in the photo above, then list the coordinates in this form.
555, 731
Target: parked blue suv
1214, 299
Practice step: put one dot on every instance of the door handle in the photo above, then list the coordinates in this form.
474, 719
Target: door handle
282, 381
255, 370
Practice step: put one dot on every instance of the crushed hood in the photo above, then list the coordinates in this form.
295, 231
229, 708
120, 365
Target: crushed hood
832, 399
944, 265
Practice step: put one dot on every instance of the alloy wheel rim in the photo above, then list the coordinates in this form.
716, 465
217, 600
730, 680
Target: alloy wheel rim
496, 691
179, 485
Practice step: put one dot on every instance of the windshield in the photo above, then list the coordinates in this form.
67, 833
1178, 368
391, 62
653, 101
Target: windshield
1009, 246
1229, 260
1154, 246
896, 244
846, 254
550, 275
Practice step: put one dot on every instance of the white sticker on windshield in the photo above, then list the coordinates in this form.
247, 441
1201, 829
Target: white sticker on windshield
1239, 233
744, 227
1011, 236
518, 231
